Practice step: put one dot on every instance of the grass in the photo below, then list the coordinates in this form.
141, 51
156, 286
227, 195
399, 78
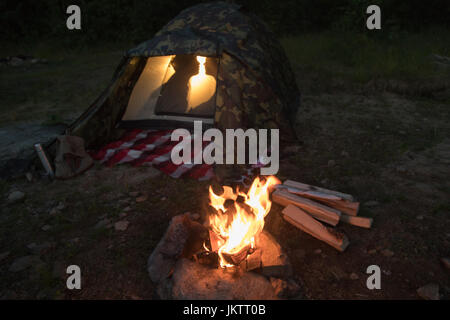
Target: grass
58, 90
361, 58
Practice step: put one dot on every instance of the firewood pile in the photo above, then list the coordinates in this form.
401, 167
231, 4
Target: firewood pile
308, 208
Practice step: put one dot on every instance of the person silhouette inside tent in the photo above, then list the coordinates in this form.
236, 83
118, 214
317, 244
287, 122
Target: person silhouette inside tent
175, 92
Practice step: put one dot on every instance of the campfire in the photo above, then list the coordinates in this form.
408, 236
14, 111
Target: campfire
212, 258
238, 219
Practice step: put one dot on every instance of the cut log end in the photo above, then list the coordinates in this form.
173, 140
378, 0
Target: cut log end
300, 219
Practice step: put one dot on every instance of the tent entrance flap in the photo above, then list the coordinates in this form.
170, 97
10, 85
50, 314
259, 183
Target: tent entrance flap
176, 86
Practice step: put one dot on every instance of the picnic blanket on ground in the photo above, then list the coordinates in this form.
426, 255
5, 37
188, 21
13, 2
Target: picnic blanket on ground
153, 148
150, 148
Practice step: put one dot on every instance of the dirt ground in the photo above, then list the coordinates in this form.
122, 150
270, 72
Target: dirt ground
384, 142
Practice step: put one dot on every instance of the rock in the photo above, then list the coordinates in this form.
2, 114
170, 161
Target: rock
135, 177
103, 223
29, 176
285, 289
274, 261
401, 169
445, 262
127, 209
134, 193
163, 198
53, 211
15, 62
420, 217
122, 214
4, 255
194, 281
23, 263
371, 203
429, 292
46, 227
317, 251
345, 154
387, 253
331, 163
354, 276
142, 198
195, 216
40, 248
60, 206
16, 196
173, 244
121, 225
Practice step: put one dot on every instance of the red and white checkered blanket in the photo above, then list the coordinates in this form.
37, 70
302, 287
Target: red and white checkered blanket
150, 148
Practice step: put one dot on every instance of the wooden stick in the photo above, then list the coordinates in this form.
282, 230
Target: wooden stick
362, 222
319, 211
307, 187
300, 219
341, 201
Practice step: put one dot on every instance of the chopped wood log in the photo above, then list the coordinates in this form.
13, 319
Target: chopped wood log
319, 211
253, 261
307, 187
300, 219
214, 241
334, 199
362, 222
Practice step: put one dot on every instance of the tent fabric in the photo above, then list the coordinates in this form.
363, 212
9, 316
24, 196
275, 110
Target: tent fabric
256, 86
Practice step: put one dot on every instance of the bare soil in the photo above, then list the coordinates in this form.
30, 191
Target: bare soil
390, 149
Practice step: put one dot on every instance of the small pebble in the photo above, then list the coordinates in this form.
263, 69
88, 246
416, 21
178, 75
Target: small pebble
354, 276
141, 198
121, 225
371, 203
387, 253
446, 262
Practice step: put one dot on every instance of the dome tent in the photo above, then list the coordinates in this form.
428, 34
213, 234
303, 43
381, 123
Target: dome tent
254, 84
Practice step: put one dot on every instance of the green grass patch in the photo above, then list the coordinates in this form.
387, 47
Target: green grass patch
361, 58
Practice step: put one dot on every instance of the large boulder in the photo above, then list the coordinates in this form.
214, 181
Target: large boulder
183, 237
194, 281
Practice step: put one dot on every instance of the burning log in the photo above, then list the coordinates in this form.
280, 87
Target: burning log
338, 200
317, 210
253, 261
238, 219
300, 219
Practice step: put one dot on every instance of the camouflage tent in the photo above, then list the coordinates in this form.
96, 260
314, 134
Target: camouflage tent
255, 84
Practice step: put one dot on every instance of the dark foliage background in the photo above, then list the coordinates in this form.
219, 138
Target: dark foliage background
137, 20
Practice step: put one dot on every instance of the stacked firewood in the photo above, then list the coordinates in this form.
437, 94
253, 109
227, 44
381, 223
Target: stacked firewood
306, 207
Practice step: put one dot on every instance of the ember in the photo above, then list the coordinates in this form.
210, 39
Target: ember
235, 227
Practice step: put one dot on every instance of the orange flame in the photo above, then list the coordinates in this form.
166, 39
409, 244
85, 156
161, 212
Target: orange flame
237, 229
